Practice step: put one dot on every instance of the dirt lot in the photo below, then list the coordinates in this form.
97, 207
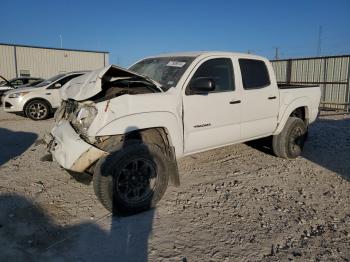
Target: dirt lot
235, 204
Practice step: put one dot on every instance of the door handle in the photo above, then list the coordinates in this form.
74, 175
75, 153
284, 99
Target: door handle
272, 97
235, 102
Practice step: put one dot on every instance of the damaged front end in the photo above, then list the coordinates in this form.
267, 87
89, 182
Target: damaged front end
79, 115
70, 142
70, 150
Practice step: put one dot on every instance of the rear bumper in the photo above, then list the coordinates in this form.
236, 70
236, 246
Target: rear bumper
70, 150
313, 115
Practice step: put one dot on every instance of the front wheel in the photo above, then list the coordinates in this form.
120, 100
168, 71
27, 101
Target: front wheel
132, 179
290, 142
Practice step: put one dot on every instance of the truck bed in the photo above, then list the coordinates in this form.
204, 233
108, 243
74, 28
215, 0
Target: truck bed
290, 86
310, 95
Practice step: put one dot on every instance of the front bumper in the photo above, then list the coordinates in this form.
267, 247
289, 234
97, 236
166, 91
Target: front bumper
70, 150
13, 104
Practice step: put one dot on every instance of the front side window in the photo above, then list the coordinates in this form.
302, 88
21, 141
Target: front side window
17, 82
218, 69
254, 73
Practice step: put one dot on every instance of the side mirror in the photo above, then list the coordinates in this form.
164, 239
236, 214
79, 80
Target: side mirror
202, 85
57, 85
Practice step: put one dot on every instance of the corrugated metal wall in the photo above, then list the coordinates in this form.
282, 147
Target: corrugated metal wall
331, 73
47, 62
7, 61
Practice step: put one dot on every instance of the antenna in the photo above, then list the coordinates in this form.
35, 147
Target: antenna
60, 36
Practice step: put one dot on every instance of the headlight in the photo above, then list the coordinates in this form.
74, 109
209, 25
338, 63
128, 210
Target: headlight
17, 95
84, 117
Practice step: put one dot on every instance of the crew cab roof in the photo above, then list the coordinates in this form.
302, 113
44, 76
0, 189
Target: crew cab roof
209, 53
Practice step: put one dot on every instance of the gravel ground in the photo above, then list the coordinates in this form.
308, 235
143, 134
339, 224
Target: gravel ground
237, 203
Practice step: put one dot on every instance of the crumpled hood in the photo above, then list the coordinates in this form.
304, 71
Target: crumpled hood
90, 84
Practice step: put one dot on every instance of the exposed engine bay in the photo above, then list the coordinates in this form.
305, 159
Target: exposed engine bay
125, 86
113, 83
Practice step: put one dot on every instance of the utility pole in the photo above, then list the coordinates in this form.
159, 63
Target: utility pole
277, 53
319, 41
248, 51
60, 36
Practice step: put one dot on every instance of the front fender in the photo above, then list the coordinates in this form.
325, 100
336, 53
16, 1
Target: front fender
166, 120
284, 115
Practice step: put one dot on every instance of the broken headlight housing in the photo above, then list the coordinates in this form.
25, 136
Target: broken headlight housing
84, 117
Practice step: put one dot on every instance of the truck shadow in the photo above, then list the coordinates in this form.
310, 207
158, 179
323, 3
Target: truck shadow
263, 144
111, 238
28, 234
13, 144
329, 145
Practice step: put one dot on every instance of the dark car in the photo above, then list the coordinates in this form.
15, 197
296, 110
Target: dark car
19, 81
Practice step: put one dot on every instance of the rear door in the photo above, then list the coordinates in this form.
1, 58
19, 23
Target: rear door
212, 119
260, 99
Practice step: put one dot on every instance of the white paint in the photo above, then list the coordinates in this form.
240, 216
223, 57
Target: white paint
196, 123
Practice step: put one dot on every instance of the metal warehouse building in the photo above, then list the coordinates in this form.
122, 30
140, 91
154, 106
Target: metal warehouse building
36, 61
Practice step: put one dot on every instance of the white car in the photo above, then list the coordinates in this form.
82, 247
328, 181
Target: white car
23, 81
39, 101
128, 127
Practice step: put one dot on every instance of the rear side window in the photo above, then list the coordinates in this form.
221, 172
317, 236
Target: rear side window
254, 74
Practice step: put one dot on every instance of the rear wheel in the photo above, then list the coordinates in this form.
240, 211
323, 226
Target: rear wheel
37, 110
290, 142
132, 179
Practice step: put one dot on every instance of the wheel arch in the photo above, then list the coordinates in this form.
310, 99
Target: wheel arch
298, 108
166, 121
301, 112
158, 136
40, 99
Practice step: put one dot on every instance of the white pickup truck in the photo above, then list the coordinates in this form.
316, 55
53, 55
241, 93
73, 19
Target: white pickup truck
128, 127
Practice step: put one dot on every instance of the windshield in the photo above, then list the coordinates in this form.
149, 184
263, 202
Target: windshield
167, 71
50, 80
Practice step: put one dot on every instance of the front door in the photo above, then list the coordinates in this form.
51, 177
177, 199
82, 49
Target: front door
212, 119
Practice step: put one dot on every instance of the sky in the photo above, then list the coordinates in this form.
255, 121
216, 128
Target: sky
131, 30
